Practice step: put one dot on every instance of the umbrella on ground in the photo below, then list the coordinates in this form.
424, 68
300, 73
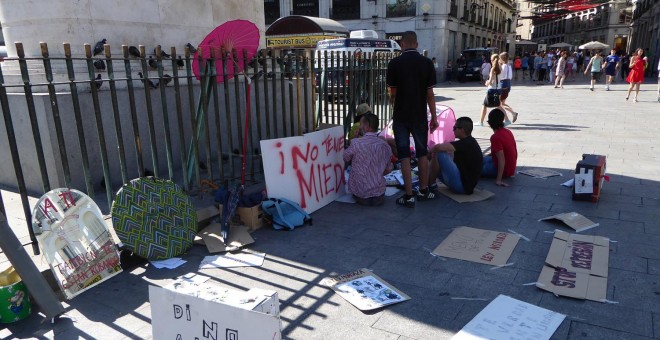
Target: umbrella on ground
560, 45
594, 45
233, 36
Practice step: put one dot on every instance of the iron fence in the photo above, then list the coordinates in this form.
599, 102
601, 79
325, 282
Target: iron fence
79, 121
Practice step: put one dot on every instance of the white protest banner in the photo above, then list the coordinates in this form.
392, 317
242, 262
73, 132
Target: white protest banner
308, 170
508, 318
75, 240
182, 316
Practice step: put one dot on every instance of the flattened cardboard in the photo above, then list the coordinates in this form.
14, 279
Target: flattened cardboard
540, 173
574, 220
579, 253
508, 318
478, 245
204, 215
575, 285
229, 260
576, 266
365, 290
477, 195
238, 237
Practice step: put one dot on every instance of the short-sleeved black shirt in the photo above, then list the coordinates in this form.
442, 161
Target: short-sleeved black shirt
469, 161
411, 74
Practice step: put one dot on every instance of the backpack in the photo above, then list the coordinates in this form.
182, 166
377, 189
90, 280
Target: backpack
285, 214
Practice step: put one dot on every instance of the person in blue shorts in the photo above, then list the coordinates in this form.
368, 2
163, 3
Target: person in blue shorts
612, 63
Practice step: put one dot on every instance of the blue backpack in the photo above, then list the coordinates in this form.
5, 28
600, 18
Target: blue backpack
285, 214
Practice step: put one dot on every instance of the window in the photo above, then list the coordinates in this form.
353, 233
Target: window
306, 7
271, 10
345, 9
401, 8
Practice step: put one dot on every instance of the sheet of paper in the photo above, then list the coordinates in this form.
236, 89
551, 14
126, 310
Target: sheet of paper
233, 260
365, 290
508, 318
569, 183
391, 191
169, 263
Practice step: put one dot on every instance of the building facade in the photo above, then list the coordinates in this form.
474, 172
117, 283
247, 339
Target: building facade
608, 23
646, 30
444, 28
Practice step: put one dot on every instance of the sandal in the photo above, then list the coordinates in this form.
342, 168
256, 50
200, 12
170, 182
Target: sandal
406, 201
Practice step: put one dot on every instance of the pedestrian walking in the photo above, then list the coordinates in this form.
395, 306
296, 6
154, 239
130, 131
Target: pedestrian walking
485, 69
625, 66
560, 71
505, 85
411, 78
612, 63
596, 66
524, 63
492, 83
551, 60
540, 68
636, 76
517, 66
570, 64
586, 60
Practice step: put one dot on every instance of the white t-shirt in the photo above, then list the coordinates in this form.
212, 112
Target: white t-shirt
506, 72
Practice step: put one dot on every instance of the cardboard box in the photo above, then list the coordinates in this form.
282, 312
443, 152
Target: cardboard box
252, 217
589, 177
206, 215
190, 310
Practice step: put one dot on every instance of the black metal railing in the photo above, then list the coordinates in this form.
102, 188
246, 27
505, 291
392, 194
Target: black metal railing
79, 121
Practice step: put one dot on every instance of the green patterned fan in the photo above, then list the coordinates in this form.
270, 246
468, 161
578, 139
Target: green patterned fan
154, 218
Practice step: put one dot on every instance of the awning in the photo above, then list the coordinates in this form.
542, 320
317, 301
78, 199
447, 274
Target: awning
298, 31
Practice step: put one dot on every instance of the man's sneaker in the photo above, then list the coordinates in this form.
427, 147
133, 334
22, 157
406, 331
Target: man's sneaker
426, 195
406, 201
607, 88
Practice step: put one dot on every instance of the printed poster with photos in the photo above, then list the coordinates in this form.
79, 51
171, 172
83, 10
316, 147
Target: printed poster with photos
401, 8
365, 290
75, 240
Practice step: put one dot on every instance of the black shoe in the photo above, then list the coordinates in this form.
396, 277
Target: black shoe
406, 201
425, 195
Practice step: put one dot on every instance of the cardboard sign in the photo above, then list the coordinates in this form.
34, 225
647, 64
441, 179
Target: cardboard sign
584, 181
574, 220
507, 318
477, 195
205, 315
210, 236
576, 266
478, 245
365, 290
75, 240
308, 170
540, 173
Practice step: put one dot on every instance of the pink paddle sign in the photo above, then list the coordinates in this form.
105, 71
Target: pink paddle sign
444, 133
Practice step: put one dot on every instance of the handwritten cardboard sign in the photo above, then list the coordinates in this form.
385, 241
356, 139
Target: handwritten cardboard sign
365, 290
75, 240
574, 220
307, 169
182, 315
478, 245
576, 266
508, 318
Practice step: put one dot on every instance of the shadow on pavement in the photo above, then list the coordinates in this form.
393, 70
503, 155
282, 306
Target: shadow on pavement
548, 127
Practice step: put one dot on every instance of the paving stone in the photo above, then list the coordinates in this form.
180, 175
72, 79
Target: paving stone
421, 325
654, 267
390, 238
656, 325
413, 275
581, 330
630, 263
634, 290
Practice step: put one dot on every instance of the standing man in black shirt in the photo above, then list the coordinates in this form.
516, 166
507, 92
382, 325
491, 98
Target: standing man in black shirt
458, 164
411, 78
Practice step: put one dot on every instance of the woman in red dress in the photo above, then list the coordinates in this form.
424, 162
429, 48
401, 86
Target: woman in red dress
636, 76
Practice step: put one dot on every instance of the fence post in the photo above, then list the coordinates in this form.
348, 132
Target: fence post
150, 115
166, 118
134, 118
115, 113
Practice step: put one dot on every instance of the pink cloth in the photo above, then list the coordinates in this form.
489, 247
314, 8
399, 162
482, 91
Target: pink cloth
444, 133
369, 156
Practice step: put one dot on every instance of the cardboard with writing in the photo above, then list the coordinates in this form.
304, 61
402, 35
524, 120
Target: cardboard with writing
574, 220
308, 170
576, 266
476, 196
238, 238
75, 240
478, 245
205, 315
506, 318
365, 290
589, 177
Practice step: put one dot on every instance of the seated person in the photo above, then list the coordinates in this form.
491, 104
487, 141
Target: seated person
501, 163
457, 164
370, 161
359, 112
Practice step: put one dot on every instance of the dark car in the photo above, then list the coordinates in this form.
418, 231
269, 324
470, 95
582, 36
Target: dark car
469, 64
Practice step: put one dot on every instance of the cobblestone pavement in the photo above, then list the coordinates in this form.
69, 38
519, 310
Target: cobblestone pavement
555, 127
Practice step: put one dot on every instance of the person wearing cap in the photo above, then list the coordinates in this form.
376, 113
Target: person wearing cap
370, 157
457, 164
501, 163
